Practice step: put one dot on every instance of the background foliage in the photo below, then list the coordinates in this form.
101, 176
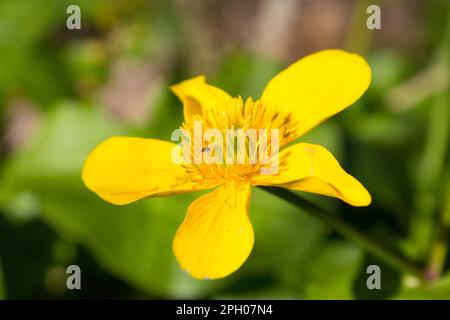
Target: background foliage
62, 92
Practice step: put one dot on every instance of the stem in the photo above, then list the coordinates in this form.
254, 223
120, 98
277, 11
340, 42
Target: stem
348, 231
434, 163
440, 249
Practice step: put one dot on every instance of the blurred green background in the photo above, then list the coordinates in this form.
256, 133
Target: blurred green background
64, 91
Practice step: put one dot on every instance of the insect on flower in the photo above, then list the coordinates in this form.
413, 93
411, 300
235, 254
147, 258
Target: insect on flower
216, 236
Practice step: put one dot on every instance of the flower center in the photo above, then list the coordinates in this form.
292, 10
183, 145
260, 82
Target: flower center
236, 141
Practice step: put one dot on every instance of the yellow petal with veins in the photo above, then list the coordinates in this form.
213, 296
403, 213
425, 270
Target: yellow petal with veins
197, 96
312, 168
318, 86
216, 237
123, 169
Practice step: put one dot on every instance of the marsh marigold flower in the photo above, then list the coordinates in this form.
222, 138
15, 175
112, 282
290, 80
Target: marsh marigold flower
216, 236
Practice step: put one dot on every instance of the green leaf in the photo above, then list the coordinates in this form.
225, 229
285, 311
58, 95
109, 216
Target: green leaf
245, 74
133, 242
286, 235
333, 272
439, 290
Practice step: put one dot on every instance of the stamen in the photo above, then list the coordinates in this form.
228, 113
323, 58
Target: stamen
239, 115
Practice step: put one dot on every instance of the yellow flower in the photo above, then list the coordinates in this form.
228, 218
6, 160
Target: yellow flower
216, 237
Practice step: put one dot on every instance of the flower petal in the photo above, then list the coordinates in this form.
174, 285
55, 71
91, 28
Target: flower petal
216, 237
197, 95
123, 169
312, 168
318, 86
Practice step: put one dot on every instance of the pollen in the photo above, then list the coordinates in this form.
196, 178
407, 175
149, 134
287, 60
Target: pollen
258, 124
